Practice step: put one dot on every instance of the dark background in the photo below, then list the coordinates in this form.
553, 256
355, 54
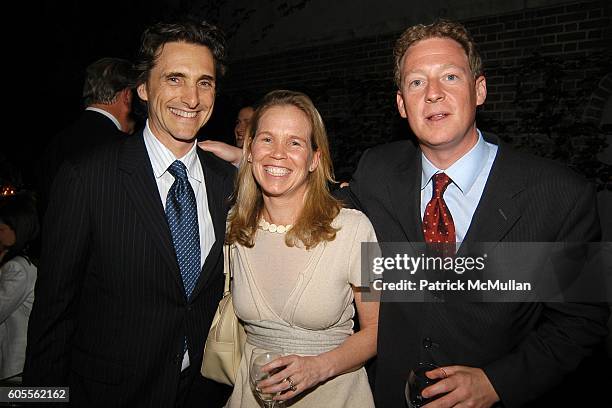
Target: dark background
549, 74
49, 51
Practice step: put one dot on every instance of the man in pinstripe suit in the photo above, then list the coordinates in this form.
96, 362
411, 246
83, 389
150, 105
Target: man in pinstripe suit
111, 318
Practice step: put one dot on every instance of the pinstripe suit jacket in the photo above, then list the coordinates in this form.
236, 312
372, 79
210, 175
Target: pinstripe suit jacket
524, 348
110, 312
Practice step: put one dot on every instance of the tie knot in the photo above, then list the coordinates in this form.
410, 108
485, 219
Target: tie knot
441, 181
178, 170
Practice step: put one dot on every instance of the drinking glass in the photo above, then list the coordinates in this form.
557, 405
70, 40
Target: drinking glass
416, 383
260, 358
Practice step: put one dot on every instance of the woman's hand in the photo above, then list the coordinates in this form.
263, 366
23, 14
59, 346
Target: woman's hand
298, 374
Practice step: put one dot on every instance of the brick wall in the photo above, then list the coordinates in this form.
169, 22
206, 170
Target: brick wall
546, 61
577, 33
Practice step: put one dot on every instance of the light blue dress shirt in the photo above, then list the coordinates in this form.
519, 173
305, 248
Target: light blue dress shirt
469, 176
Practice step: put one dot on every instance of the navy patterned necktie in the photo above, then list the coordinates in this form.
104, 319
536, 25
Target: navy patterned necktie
182, 215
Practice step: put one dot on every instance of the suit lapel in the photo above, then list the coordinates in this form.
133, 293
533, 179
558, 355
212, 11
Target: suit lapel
404, 190
215, 196
139, 182
216, 205
499, 206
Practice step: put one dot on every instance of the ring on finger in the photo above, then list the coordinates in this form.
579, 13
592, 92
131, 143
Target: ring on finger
443, 372
292, 386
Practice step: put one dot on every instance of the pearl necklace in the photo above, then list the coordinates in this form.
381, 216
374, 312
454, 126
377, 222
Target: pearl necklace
280, 229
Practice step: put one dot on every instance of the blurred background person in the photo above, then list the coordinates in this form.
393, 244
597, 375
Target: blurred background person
18, 227
107, 97
242, 123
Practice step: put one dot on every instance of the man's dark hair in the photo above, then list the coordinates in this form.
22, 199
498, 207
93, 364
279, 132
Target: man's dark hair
106, 77
189, 31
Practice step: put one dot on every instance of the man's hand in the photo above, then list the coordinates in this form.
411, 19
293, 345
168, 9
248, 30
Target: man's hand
223, 151
463, 386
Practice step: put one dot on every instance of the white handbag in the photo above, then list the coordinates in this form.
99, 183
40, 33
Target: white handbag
226, 338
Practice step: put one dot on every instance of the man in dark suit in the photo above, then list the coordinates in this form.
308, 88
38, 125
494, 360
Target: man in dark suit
131, 268
482, 191
107, 97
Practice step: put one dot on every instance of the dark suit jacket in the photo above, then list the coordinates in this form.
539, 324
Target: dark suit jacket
90, 131
524, 348
110, 313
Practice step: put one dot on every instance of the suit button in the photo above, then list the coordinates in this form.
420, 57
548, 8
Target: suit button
189, 308
427, 343
178, 359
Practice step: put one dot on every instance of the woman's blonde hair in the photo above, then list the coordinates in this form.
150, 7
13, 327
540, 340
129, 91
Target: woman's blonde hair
320, 207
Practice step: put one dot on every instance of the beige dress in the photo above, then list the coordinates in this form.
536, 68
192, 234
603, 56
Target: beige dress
300, 302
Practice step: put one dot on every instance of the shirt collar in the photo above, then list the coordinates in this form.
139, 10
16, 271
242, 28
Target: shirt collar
464, 171
161, 157
107, 114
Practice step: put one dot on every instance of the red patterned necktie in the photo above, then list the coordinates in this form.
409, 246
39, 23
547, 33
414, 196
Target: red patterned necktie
438, 225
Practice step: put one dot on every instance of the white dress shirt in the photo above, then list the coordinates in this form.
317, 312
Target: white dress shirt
107, 114
161, 158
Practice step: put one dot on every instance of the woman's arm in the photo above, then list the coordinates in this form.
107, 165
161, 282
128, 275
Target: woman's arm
359, 347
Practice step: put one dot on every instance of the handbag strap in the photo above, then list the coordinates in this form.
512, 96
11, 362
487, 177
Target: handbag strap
227, 271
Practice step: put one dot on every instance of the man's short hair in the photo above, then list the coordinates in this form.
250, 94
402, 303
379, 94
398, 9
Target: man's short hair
189, 31
438, 29
106, 77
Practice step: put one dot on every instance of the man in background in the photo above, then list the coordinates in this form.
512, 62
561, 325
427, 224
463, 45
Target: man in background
243, 120
107, 97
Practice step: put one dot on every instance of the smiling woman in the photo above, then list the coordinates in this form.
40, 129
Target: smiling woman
295, 261
284, 174
282, 156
